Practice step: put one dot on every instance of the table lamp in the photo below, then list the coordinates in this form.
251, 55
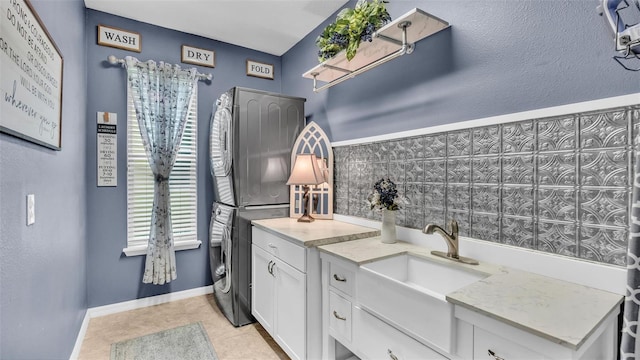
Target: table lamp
305, 172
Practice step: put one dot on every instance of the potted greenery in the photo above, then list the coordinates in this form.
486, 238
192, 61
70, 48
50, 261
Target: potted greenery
351, 27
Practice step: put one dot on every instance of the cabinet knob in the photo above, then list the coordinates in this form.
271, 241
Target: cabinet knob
493, 355
335, 313
391, 355
338, 278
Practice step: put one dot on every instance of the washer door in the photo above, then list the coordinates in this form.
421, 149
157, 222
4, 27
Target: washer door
220, 235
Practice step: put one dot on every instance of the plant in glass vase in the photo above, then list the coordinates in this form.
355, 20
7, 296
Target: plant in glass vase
385, 198
352, 26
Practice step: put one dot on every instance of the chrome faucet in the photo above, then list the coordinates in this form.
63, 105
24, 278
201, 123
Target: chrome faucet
452, 242
451, 239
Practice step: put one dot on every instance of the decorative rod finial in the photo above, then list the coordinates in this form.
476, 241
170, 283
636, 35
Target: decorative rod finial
114, 60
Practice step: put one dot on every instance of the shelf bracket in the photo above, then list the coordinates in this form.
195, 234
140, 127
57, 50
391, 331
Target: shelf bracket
405, 48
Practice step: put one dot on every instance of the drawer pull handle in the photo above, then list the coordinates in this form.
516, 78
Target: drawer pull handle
393, 357
272, 246
338, 278
338, 316
493, 355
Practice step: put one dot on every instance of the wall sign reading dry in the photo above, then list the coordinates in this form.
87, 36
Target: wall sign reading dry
31, 81
198, 56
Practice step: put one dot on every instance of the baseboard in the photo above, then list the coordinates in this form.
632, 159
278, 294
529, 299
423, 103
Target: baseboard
83, 331
132, 305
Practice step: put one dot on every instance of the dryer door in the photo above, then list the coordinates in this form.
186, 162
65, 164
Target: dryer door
220, 150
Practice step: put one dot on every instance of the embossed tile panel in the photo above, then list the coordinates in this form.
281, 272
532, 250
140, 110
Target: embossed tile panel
558, 185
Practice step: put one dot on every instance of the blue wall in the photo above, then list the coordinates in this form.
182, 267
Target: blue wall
43, 297
498, 57
113, 277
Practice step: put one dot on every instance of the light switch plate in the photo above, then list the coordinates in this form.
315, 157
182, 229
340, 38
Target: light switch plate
31, 209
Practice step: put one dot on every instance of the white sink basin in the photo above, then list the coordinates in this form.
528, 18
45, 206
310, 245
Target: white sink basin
431, 277
409, 292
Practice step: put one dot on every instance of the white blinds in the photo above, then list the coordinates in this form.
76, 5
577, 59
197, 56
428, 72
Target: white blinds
182, 182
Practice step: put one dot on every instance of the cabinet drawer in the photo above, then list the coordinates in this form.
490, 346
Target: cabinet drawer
286, 251
485, 342
341, 278
339, 317
377, 340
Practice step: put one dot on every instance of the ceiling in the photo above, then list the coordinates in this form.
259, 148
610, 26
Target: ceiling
271, 26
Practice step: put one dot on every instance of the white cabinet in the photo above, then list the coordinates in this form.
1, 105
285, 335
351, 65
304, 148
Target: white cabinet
285, 292
348, 325
278, 301
263, 289
290, 320
493, 339
375, 339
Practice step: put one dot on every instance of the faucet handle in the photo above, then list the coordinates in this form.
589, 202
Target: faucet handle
453, 224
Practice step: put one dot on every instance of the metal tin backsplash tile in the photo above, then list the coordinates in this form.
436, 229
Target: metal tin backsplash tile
558, 184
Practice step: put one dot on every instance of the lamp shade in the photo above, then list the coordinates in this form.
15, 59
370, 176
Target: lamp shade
305, 171
276, 170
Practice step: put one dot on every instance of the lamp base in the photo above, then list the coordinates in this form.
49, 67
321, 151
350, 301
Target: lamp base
306, 218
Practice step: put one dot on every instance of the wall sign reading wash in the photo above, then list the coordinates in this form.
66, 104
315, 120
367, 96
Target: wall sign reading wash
260, 70
118, 38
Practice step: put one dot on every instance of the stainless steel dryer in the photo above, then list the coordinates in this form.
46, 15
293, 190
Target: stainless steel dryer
252, 134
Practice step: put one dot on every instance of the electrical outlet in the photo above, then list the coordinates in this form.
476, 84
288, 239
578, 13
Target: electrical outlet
31, 209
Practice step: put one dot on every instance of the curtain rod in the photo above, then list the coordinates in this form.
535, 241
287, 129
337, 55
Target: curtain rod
114, 61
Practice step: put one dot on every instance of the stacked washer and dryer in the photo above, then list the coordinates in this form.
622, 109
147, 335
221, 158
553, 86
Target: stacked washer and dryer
251, 137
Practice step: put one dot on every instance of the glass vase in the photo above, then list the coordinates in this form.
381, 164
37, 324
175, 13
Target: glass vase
388, 226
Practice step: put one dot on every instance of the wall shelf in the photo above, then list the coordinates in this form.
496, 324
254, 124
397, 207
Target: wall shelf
389, 42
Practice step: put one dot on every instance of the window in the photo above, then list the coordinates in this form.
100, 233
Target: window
182, 183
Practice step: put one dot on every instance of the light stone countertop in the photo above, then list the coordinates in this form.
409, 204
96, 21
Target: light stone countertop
316, 233
562, 312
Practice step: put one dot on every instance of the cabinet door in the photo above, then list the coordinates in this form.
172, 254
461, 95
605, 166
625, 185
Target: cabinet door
290, 323
489, 346
262, 288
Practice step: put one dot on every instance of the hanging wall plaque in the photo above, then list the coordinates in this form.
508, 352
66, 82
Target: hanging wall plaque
198, 56
118, 38
107, 149
259, 69
31, 82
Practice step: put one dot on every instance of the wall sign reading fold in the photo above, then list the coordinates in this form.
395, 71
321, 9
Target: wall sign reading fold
31, 84
259, 69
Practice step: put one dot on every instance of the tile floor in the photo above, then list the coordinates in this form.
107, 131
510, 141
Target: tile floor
246, 342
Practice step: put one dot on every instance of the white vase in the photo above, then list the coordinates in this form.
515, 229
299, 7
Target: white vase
388, 226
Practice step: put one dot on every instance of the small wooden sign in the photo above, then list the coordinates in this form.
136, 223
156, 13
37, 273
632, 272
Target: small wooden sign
259, 69
198, 56
118, 38
107, 149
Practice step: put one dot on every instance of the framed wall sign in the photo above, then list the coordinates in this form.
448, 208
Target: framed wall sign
198, 56
107, 154
118, 38
31, 81
259, 69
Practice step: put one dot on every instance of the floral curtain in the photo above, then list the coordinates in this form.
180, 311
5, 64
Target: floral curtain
161, 95
629, 348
